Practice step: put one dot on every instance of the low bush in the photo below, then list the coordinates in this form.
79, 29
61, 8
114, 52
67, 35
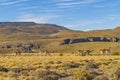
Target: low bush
90, 65
48, 75
102, 77
71, 65
115, 53
81, 75
2, 69
61, 54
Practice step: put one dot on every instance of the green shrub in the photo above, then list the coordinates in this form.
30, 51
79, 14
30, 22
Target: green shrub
81, 75
115, 53
61, 54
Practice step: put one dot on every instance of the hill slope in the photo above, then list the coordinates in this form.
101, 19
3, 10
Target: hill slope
29, 27
50, 36
31, 31
94, 33
27, 30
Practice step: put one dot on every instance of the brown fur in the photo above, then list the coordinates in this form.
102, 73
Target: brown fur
105, 51
18, 52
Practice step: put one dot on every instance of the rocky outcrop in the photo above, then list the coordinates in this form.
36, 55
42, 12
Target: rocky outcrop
79, 40
91, 39
66, 41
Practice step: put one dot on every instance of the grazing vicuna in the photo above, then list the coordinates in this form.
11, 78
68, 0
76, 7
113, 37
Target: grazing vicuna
18, 51
87, 52
84, 52
46, 53
80, 52
105, 51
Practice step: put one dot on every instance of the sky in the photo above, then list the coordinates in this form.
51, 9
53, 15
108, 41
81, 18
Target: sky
73, 14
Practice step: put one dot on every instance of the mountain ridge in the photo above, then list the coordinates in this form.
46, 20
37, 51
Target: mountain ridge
30, 27
32, 30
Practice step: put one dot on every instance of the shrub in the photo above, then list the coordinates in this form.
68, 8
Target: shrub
115, 53
31, 78
51, 62
117, 74
93, 73
90, 65
71, 65
25, 73
101, 78
3, 69
48, 75
51, 77
81, 75
17, 70
58, 62
61, 54
13, 74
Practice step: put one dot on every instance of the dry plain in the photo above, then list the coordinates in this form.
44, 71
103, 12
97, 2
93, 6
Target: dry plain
57, 67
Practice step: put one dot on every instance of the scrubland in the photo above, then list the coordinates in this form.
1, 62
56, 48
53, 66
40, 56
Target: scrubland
59, 67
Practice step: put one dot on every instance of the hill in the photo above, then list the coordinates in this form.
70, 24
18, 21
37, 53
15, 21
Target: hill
30, 35
93, 33
29, 27
31, 30
27, 30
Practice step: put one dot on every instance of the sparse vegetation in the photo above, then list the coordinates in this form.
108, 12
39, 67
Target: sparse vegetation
115, 53
81, 75
62, 63
60, 54
59, 68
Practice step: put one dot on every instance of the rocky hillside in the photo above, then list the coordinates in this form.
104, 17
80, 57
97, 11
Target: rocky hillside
33, 31
29, 27
54, 38
109, 33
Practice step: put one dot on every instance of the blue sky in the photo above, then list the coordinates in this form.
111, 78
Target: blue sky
73, 14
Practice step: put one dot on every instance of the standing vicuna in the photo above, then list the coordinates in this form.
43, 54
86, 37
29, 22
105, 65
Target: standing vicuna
80, 53
84, 52
105, 51
18, 51
87, 52
46, 53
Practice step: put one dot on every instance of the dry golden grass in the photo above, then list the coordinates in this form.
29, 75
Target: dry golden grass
67, 64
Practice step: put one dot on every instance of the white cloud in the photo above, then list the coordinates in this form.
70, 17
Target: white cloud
107, 5
62, 0
3, 1
9, 2
84, 2
113, 17
91, 24
36, 18
38, 9
30, 7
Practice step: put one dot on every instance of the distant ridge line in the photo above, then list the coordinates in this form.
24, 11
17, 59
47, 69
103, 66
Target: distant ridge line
17, 23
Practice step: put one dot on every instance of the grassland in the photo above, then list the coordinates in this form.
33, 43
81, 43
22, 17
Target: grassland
66, 67
72, 48
63, 64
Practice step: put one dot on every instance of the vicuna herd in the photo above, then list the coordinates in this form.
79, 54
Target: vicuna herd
20, 51
103, 51
83, 52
